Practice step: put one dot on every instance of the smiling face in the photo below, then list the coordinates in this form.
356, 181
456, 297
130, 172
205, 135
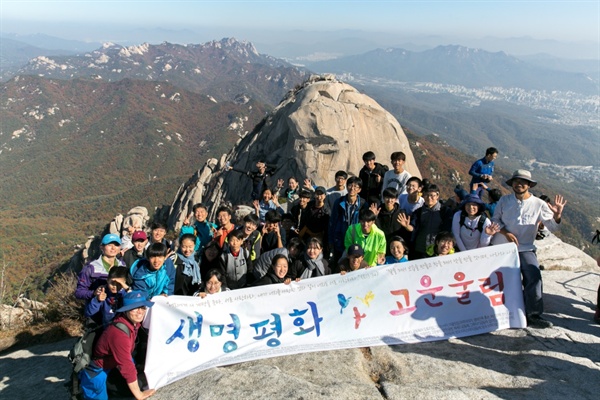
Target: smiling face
267, 195
213, 285
111, 250
397, 250
200, 214
223, 218
292, 184
158, 235
430, 199
389, 203
303, 201
366, 226
249, 227
398, 165
354, 262
313, 251
187, 247
413, 187
280, 268
136, 315
520, 186
444, 247
370, 164
140, 245
471, 209
353, 189
156, 262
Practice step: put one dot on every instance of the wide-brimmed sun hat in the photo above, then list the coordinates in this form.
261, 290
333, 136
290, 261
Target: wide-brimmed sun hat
522, 174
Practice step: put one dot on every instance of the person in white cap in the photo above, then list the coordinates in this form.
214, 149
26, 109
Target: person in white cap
518, 216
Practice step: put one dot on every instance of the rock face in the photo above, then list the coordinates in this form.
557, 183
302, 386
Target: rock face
321, 127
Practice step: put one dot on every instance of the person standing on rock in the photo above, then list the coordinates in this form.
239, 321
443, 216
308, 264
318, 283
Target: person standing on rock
261, 179
397, 177
483, 169
95, 274
337, 191
427, 221
343, 214
518, 216
372, 178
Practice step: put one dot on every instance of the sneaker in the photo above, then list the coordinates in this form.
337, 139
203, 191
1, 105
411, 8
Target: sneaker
536, 321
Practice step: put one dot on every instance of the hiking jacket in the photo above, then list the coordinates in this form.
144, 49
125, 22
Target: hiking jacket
115, 348
342, 216
91, 277
154, 283
373, 244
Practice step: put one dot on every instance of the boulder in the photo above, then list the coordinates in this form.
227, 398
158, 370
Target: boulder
553, 253
320, 127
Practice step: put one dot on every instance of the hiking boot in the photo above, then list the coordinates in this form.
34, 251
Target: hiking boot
536, 321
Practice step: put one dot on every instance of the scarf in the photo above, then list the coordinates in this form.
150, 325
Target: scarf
191, 268
313, 267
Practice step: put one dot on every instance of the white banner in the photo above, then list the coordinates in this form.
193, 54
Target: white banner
464, 294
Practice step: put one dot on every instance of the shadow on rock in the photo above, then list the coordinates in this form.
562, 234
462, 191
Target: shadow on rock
39, 372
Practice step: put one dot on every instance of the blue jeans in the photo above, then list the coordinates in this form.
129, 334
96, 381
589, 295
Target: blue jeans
532, 283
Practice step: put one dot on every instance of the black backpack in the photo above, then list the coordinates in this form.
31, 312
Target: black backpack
480, 223
81, 354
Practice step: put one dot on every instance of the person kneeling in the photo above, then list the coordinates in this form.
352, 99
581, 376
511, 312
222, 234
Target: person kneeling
112, 370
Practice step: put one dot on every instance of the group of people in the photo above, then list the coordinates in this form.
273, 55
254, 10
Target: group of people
380, 216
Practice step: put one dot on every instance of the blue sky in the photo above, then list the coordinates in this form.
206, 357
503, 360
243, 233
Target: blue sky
565, 20
108, 20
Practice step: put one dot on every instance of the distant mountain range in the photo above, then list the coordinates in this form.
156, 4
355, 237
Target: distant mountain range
458, 65
225, 69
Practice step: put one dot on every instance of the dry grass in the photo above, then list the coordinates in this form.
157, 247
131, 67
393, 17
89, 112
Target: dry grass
62, 304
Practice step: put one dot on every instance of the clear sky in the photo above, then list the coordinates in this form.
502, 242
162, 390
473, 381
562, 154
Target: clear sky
565, 21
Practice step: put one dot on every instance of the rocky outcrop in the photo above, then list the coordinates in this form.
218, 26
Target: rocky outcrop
21, 314
321, 127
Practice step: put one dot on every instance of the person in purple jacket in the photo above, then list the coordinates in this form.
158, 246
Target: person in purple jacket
94, 274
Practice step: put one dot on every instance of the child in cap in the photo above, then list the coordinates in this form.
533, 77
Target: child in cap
94, 274
139, 240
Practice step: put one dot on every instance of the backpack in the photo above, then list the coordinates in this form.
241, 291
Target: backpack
81, 354
480, 223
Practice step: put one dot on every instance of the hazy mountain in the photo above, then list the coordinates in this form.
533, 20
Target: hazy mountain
15, 54
225, 69
459, 66
48, 42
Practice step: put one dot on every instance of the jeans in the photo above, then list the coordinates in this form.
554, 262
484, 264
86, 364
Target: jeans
532, 283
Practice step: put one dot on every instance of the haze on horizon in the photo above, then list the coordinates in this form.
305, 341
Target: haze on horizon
539, 26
